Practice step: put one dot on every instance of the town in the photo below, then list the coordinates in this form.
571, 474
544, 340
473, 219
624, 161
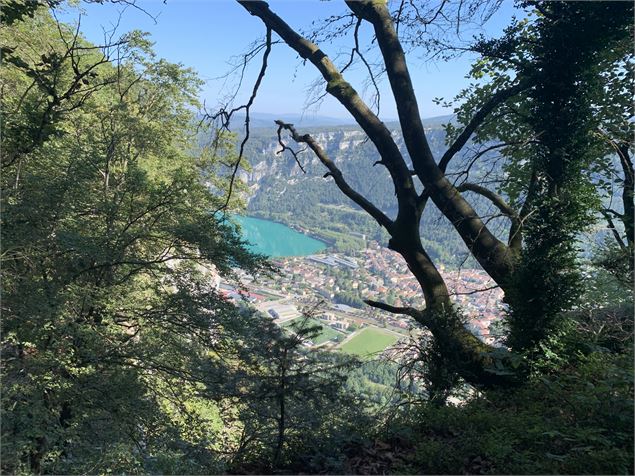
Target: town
329, 289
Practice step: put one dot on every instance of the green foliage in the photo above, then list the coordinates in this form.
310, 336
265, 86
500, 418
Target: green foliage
616, 264
120, 357
292, 409
568, 79
350, 299
375, 382
16, 10
109, 252
558, 170
572, 416
575, 421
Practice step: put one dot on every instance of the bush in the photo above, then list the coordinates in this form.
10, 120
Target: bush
579, 421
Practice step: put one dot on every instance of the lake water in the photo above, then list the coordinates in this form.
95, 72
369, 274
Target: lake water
277, 240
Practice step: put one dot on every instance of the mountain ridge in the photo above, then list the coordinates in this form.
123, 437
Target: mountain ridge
266, 121
280, 191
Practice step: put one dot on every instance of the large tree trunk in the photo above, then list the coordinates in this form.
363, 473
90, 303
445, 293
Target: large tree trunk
628, 215
490, 252
471, 358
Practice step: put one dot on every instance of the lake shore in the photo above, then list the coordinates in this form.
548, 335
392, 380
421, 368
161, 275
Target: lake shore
294, 226
275, 239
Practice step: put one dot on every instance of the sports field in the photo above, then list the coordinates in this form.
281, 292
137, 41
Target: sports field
369, 341
327, 333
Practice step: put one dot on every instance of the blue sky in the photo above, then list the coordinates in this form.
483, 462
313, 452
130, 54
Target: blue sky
206, 34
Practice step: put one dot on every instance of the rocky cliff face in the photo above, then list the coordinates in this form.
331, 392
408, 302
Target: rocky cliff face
281, 191
343, 144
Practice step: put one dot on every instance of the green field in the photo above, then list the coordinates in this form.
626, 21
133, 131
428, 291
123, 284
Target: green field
326, 334
369, 341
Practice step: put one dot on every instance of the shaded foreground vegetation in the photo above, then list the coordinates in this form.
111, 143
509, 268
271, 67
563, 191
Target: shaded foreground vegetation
555, 70
119, 356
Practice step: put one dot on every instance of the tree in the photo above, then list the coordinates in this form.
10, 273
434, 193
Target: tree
556, 175
292, 402
109, 249
503, 260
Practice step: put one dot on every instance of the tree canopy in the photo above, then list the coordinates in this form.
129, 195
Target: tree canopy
121, 352
539, 277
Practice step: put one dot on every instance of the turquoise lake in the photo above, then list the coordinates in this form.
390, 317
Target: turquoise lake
277, 240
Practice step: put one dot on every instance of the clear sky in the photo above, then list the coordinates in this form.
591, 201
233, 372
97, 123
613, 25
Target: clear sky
206, 34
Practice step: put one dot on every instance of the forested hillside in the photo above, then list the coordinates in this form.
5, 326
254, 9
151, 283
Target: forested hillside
130, 341
282, 192
119, 355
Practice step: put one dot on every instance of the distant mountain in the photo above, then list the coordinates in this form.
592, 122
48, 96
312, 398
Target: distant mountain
266, 120
263, 120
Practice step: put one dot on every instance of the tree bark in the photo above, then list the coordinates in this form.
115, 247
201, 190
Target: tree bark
470, 357
493, 255
627, 194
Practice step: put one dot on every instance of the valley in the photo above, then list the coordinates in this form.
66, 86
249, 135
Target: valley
310, 278
281, 192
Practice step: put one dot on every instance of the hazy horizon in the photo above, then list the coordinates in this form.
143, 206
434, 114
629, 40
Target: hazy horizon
206, 36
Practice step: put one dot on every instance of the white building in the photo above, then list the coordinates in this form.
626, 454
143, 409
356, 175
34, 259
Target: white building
283, 311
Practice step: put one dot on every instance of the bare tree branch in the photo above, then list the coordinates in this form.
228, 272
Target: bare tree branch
285, 147
475, 291
339, 88
335, 172
247, 108
371, 74
410, 311
611, 226
478, 118
493, 197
